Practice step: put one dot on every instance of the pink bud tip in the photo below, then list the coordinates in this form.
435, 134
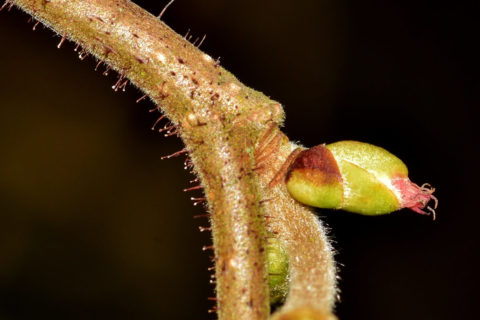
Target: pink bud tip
416, 198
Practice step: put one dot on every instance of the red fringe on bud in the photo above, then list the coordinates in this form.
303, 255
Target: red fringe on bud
415, 197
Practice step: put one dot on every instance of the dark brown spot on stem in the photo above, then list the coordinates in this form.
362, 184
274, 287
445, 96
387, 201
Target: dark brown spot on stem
139, 59
108, 50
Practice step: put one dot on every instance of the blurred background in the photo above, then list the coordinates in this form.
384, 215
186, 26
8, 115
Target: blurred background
94, 226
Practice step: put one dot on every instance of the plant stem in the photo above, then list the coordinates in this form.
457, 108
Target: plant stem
220, 120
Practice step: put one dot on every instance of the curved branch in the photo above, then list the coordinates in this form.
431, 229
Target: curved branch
221, 122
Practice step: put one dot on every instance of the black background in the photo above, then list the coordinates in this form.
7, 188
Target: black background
94, 226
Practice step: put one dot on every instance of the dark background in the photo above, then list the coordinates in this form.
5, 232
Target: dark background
94, 226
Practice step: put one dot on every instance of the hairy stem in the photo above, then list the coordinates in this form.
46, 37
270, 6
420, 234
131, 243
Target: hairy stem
312, 271
221, 122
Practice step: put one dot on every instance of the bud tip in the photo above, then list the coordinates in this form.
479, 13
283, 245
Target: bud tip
416, 197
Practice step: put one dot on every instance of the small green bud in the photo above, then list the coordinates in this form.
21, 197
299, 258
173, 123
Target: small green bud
356, 177
277, 270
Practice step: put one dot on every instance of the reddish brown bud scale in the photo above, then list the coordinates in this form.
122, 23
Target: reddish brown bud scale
319, 162
316, 178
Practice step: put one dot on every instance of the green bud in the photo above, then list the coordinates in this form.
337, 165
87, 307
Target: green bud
277, 270
356, 177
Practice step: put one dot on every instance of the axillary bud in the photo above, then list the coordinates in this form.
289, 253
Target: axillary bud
356, 177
